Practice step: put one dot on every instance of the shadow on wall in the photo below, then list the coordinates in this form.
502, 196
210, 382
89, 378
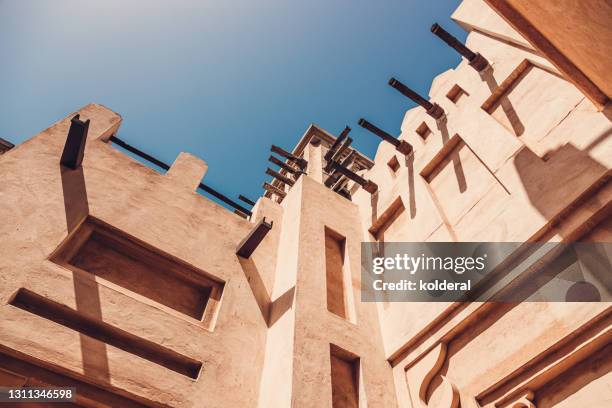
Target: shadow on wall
453, 156
550, 180
504, 102
270, 310
548, 184
565, 179
411, 191
87, 296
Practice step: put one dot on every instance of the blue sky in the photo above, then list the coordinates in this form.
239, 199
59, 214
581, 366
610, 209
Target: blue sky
222, 80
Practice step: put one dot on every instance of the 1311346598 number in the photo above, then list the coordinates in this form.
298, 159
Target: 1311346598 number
37, 394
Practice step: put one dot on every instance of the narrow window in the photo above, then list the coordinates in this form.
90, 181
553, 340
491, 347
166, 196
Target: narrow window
423, 131
338, 277
344, 378
393, 165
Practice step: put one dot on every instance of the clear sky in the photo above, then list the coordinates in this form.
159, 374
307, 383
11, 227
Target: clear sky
219, 79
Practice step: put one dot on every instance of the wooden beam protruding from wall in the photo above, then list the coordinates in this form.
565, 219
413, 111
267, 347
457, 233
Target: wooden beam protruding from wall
74, 149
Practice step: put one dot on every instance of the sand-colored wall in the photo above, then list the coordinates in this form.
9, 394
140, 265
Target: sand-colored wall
576, 35
315, 326
522, 155
269, 341
42, 203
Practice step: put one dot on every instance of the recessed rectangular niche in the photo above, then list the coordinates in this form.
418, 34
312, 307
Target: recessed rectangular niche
344, 378
338, 276
393, 165
109, 254
423, 131
456, 94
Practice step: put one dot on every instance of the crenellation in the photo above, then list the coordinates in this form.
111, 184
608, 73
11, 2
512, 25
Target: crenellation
188, 171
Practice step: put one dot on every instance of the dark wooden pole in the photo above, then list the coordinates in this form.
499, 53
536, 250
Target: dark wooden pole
274, 190
250, 243
433, 109
332, 150
5, 145
282, 165
477, 61
290, 156
165, 166
338, 154
333, 178
74, 149
400, 145
279, 177
367, 185
246, 200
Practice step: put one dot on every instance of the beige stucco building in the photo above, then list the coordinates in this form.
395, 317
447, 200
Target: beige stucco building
125, 283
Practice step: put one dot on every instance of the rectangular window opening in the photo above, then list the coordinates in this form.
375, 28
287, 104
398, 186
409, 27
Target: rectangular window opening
338, 276
344, 378
101, 250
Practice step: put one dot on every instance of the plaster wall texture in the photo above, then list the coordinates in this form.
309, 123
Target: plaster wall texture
520, 155
573, 35
44, 203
